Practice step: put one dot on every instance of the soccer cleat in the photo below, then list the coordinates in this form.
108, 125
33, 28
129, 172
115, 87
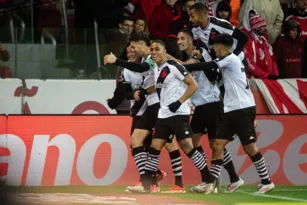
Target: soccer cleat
234, 186
161, 176
210, 188
138, 189
201, 188
138, 184
154, 189
265, 188
175, 190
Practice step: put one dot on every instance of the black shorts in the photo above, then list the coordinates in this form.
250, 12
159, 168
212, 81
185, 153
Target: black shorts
238, 123
135, 121
176, 125
149, 118
205, 119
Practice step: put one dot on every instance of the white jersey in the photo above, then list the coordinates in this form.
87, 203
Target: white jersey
237, 91
206, 92
136, 81
215, 26
149, 80
170, 88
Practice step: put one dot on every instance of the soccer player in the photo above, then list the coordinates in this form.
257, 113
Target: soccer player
140, 43
239, 109
174, 87
207, 27
207, 106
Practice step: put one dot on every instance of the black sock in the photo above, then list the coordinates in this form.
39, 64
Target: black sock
200, 149
260, 165
216, 165
151, 167
140, 158
177, 167
200, 163
228, 165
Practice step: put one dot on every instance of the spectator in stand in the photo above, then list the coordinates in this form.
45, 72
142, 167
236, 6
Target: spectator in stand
234, 5
270, 10
259, 52
144, 8
288, 51
140, 25
162, 17
223, 11
245, 25
299, 14
5, 71
176, 25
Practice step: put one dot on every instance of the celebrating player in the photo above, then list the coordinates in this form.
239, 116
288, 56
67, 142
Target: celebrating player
239, 109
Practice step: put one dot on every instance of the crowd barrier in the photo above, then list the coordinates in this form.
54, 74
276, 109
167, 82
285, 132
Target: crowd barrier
51, 150
287, 96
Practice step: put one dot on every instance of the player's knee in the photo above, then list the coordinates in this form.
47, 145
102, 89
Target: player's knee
186, 145
250, 149
196, 139
170, 147
217, 146
135, 142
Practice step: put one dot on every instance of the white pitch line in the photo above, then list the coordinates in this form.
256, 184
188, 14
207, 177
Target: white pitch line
275, 197
277, 190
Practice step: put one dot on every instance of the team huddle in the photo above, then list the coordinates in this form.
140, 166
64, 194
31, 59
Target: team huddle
211, 74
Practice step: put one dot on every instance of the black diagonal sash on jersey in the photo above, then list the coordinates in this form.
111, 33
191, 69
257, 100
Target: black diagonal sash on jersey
162, 76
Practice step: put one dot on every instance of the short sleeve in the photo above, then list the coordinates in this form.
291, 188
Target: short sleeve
179, 71
223, 62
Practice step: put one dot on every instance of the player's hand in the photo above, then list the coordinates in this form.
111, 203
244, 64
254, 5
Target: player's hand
136, 95
197, 54
173, 107
109, 59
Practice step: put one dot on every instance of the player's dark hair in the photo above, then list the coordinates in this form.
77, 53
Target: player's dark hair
140, 36
224, 39
187, 32
160, 42
200, 8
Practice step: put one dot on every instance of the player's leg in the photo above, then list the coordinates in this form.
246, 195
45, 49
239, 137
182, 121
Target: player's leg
161, 135
223, 136
248, 138
213, 111
176, 163
181, 128
198, 128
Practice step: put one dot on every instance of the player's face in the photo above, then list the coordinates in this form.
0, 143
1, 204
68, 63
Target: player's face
131, 55
183, 41
158, 53
138, 47
195, 18
218, 49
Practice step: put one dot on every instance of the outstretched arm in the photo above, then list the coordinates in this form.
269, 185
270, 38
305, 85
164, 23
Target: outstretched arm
140, 68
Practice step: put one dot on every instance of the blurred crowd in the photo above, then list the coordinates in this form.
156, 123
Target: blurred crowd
276, 29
